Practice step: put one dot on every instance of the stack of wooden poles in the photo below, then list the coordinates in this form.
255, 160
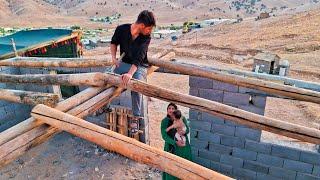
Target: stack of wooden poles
50, 117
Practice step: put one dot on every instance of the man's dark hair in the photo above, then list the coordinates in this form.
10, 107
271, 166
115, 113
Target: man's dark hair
147, 18
177, 114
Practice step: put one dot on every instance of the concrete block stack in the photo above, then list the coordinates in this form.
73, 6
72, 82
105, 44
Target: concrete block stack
235, 150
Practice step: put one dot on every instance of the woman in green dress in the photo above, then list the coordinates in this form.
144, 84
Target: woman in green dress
177, 147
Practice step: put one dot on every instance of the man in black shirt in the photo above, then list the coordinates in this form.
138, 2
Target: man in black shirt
134, 40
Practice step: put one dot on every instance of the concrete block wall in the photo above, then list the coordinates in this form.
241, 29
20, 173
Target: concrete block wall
12, 113
235, 150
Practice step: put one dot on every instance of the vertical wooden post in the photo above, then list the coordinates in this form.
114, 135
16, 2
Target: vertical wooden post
56, 88
14, 47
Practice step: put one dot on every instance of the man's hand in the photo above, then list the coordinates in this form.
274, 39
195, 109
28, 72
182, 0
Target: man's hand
115, 62
125, 79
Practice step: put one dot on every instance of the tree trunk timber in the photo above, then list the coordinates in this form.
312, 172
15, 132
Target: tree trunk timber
237, 115
19, 139
35, 62
126, 146
265, 86
28, 97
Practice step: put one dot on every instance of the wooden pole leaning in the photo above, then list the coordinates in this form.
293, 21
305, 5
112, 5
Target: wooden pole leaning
126, 146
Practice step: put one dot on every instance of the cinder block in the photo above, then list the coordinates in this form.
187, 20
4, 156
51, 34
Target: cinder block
233, 161
209, 155
252, 109
255, 166
236, 98
251, 91
261, 176
232, 141
194, 114
3, 103
98, 69
248, 133
244, 154
194, 92
226, 169
258, 147
230, 123
116, 101
221, 149
199, 144
211, 118
302, 176
225, 86
2, 111
298, 166
282, 173
270, 160
215, 166
316, 171
209, 136
201, 125
285, 152
259, 101
200, 82
202, 161
194, 151
194, 133
3, 85
244, 173
310, 157
223, 129
210, 94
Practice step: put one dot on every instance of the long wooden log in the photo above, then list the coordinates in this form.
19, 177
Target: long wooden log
31, 123
20, 138
135, 150
35, 62
13, 148
28, 97
230, 113
266, 86
252, 120
87, 79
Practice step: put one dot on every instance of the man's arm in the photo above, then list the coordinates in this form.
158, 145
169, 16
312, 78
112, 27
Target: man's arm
115, 41
113, 49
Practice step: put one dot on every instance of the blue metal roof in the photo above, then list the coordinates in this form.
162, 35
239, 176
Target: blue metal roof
29, 38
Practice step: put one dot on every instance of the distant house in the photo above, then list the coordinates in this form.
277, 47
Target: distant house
266, 63
263, 15
163, 33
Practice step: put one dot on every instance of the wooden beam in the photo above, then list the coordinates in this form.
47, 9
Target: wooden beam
126, 146
56, 88
12, 148
28, 97
31, 132
87, 79
31, 123
265, 86
35, 62
230, 113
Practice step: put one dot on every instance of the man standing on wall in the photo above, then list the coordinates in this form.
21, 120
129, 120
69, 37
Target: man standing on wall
134, 40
